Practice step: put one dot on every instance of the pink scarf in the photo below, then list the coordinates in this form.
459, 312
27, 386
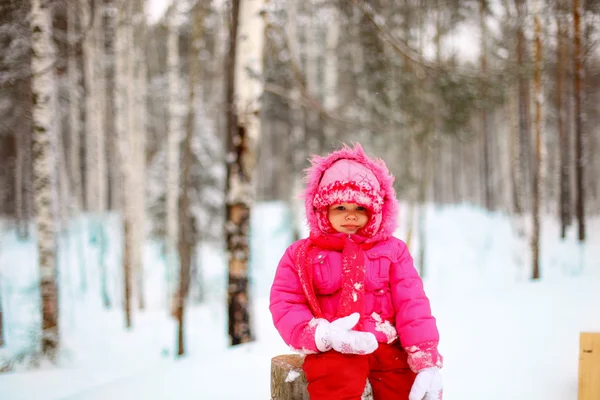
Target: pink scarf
353, 270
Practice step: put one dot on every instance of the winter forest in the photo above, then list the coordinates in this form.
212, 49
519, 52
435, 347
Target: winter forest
136, 133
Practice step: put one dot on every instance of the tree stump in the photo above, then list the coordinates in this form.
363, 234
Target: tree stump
288, 381
287, 378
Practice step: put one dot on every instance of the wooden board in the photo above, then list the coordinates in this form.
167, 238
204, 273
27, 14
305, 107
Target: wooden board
589, 366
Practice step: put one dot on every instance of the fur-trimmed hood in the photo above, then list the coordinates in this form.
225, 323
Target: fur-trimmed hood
381, 191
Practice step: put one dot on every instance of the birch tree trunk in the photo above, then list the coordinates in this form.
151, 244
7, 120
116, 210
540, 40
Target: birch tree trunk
175, 131
131, 139
243, 131
44, 162
579, 133
139, 113
537, 160
123, 72
74, 107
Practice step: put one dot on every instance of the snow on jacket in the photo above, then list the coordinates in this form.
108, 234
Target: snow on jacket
395, 304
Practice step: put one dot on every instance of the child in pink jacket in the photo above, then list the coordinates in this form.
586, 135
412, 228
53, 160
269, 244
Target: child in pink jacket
349, 296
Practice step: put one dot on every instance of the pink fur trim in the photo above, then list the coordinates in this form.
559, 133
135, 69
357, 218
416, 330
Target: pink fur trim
389, 209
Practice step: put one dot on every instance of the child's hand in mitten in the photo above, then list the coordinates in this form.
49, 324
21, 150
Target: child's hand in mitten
340, 336
427, 385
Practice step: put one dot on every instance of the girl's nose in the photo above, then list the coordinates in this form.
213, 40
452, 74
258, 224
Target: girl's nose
351, 215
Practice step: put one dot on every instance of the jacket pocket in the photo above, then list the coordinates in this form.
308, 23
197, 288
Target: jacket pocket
382, 304
378, 267
324, 278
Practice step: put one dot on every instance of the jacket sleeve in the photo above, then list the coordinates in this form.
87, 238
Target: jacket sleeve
415, 324
289, 307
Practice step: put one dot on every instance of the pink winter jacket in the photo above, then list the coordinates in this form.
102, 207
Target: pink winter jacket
395, 304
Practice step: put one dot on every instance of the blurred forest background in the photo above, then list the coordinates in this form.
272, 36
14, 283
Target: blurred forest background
179, 123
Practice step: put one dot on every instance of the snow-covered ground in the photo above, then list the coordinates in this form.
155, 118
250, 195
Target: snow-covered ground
503, 335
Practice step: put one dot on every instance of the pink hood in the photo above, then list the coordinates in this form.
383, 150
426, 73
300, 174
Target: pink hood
323, 171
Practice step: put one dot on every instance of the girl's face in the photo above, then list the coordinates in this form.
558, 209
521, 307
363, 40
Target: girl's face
347, 217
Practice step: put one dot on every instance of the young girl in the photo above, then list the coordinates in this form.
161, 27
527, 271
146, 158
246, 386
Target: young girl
349, 296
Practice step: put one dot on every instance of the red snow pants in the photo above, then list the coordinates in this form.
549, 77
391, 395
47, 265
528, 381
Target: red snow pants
336, 376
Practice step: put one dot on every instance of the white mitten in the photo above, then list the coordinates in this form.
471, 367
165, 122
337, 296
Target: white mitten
427, 385
340, 336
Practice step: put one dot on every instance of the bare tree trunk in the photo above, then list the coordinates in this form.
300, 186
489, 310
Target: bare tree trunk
96, 182
187, 237
21, 169
425, 179
75, 28
89, 73
579, 132
297, 127
537, 161
331, 73
485, 118
44, 142
437, 167
311, 43
298, 131
95, 117
243, 131
95, 107
74, 106
512, 112
515, 167
1, 319
100, 105
112, 141
590, 105
173, 143
524, 109
563, 148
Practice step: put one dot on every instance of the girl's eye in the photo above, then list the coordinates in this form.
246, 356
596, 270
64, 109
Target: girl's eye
340, 208
361, 209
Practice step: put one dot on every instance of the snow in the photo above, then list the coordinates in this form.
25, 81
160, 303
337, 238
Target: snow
386, 327
292, 375
502, 335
